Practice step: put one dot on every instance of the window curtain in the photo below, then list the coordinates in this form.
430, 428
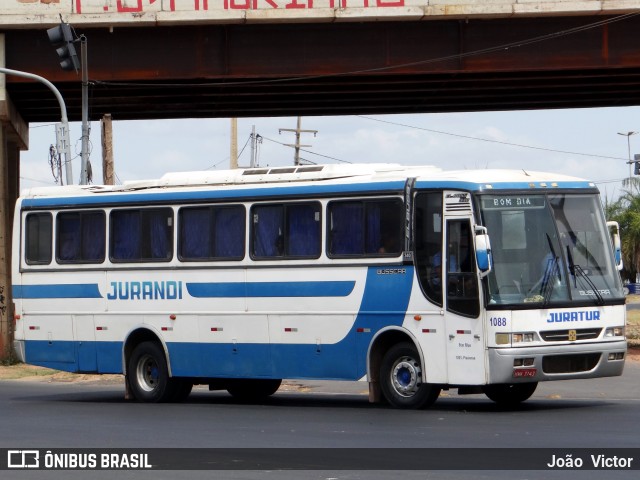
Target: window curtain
374, 238
304, 231
69, 237
93, 237
160, 240
126, 235
268, 240
195, 233
346, 228
229, 233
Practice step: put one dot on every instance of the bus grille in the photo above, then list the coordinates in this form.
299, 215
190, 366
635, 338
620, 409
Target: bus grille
563, 335
570, 363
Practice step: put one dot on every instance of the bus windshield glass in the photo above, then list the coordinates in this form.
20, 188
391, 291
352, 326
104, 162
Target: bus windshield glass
549, 249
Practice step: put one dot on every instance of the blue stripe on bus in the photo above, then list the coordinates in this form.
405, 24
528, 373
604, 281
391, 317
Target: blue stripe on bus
214, 194
279, 191
75, 290
474, 186
271, 289
384, 303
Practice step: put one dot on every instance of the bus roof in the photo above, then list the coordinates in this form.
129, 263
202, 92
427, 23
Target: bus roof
356, 176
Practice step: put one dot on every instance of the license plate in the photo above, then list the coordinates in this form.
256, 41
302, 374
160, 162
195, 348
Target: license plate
525, 372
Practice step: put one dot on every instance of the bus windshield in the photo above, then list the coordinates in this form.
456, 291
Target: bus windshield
549, 249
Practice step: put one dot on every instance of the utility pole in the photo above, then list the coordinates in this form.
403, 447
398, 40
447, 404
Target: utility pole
255, 140
85, 168
108, 174
298, 131
628, 135
233, 156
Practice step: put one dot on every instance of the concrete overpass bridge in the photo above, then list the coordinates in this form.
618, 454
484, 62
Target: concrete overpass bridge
223, 58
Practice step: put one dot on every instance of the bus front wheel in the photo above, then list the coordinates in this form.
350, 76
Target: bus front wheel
148, 374
510, 394
402, 380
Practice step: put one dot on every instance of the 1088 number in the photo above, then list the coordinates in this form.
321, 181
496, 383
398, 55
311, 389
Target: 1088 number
498, 322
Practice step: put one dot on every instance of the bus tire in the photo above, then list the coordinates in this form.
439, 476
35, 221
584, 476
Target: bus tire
510, 394
401, 379
148, 374
253, 390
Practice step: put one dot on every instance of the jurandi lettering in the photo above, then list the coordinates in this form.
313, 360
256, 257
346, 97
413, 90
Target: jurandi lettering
163, 290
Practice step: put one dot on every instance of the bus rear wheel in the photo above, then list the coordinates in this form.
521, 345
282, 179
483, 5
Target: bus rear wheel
510, 394
253, 390
148, 374
401, 379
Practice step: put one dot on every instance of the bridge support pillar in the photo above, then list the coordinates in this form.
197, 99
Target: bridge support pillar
14, 136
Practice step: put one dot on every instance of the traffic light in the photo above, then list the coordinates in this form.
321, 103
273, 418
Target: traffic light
61, 37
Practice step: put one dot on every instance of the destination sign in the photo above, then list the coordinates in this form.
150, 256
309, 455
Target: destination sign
513, 202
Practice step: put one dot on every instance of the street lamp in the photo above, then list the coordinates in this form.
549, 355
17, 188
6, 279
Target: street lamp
628, 135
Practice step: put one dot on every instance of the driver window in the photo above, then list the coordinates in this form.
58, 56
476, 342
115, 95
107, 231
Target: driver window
462, 281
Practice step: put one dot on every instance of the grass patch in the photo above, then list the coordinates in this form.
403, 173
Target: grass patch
21, 370
9, 361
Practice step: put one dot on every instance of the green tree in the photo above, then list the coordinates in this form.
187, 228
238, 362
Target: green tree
626, 211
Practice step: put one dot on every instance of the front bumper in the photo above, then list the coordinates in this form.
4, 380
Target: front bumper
564, 362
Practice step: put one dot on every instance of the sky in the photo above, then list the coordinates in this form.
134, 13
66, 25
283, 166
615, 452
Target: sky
579, 142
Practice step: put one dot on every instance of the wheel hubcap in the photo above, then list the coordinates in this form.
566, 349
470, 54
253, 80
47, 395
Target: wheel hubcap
147, 373
406, 376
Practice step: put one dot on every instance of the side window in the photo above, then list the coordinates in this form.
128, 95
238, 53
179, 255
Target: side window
144, 235
211, 233
365, 228
286, 231
428, 244
38, 236
80, 237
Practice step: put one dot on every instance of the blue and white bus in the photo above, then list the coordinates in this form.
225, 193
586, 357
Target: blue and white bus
410, 278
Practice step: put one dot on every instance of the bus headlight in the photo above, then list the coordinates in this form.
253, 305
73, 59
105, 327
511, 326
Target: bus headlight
507, 338
614, 332
522, 337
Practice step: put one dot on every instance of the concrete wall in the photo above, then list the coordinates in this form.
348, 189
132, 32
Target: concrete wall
45, 13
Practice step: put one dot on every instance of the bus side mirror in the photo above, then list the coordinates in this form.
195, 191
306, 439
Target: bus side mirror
614, 230
483, 251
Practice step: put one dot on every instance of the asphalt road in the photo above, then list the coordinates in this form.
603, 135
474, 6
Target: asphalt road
561, 415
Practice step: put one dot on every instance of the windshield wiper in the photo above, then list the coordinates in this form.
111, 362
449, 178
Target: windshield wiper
550, 274
576, 270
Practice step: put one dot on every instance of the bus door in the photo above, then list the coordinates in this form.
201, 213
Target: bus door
461, 302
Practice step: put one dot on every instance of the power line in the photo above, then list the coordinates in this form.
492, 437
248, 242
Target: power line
49, 182
308, 151
488, 140
617, 180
